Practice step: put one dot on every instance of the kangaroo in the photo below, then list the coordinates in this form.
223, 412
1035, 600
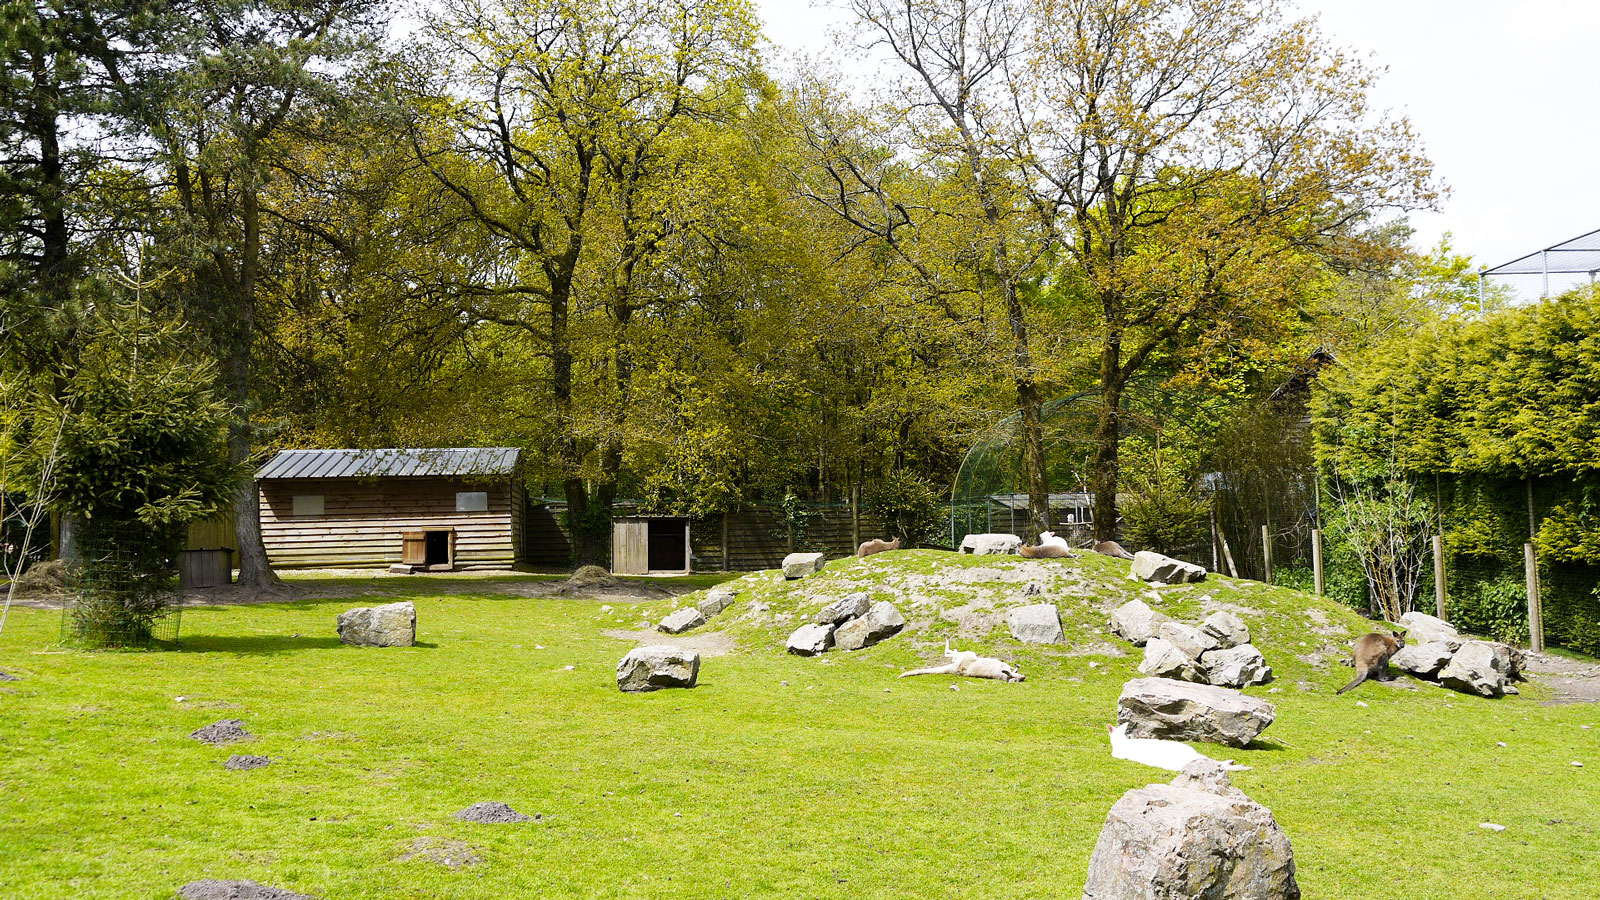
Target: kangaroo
868, 548
1111, 548
1371, 654
1043, 551
971, 665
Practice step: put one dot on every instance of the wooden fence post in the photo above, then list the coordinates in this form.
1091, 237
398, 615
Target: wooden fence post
1316, 562
1535, 611
725, 566
1438, 575
1266, 550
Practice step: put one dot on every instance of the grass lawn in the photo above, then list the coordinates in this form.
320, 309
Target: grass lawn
825, 786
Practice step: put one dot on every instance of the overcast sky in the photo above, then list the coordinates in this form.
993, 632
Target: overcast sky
1502, 92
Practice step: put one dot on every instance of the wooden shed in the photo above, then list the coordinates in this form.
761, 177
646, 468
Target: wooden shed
441, 509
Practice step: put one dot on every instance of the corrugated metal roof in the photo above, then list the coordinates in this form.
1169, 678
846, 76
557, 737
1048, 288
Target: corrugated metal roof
391, 463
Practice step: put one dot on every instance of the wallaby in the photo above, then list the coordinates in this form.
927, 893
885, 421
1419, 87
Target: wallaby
1371, 654
1111, 548
868, 548
1050, 547
970, 665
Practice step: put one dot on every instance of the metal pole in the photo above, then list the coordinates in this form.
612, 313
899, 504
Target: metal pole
1544, 263
1481, 309
1316, 562
1535, 610
1438, 575
1266, 550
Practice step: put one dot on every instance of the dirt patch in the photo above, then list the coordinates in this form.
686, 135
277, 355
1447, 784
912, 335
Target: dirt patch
710, 643
226, 731
240, 763
492, 812
212, 889
450, 854
1573, 681
7, 676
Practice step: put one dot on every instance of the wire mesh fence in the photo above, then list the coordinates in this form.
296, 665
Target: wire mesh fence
126, 593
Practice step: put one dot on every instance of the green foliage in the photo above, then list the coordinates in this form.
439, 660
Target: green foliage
1496, 607
909, 507
1163, 514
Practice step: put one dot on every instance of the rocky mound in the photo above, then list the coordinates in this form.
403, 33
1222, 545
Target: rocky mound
491, 812
226, 731
240, 763
212, 889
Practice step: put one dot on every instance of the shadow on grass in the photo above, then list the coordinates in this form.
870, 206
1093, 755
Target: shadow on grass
1264, 744
271, 644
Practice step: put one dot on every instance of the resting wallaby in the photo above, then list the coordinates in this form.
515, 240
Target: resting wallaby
1111, 548
1371, 654
970, 665
1050, 547
868, 548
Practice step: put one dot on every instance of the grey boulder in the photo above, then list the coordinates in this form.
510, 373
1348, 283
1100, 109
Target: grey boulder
1422, 628
715, 601
1037, 624
809, 640
214, 889
390, 625
1477, 668
680, 620
1422, 660
1151, 566
803, 565
883, 620
1228, 629
991, 544
657, 666
1176, 710
1198, 837
1163, 660
1187, 638
847, 608
1137, 622
1235, 667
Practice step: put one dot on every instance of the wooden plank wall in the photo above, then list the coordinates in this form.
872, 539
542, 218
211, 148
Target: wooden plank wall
214, 534
362, 520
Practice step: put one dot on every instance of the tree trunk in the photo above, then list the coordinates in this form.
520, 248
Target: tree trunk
1105, 473
254, 568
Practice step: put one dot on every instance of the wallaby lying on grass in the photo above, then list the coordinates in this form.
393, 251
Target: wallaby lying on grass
1162, 754
970, 665
868, 548
1371, 655
1050, 547
1111, 548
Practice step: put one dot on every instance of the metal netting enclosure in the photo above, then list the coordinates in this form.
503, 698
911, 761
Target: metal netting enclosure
127, 591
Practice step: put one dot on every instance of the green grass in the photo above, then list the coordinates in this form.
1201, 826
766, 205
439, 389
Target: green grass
826, 787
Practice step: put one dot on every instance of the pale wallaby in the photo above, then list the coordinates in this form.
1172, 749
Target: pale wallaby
971, 665
868, 548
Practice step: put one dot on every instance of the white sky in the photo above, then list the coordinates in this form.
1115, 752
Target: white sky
1503, 94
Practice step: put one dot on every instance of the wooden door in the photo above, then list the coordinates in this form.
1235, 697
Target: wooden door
414, 548
630, 547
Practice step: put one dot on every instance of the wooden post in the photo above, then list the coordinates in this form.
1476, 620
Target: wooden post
1535, 612
855, 515
1438, 575
1266, 550
1227, 554
725, 566
1316, 562
1216, 563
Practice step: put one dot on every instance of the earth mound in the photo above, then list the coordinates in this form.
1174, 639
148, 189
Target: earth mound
225, 731
491, 813
212, 889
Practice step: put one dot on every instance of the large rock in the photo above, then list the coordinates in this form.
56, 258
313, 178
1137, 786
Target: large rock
1198, 837
1422, 628
879, 622
1511, 660
1037, 624
1477, 668
802, 565
1235, 667
1150, 566
1228, 629
1176, 710
809, 640
847, 608
1137, 622
657, 666
390, 625
714, 602
1187, 638
1162, 660
991, 544
680, 620
1422, 660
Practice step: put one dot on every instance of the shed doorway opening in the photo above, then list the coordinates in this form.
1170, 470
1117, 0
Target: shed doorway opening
429, 549
641, 546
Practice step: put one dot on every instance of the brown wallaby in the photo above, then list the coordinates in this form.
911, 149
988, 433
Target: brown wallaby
1111, 548
1371, 654
868, 548
1043, 551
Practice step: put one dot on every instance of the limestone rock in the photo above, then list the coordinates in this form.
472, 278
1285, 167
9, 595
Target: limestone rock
1511, 660
1235, 667
1196, 837
1422, 660
680, 620
848, 608
1137, 622
657, 666
390, 625
991, 544
1191, 641
1476, 669
1422, 628
1150, 566
1162, 660
1037, 624
883, 620
809, 640
803, 565
1228, 629
1179, 711
715, 601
